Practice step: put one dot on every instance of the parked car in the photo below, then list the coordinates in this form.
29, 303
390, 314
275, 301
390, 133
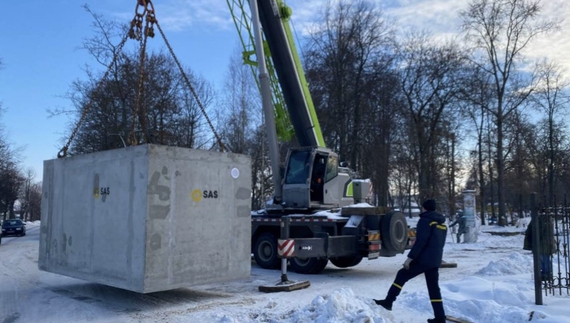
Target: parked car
13, 227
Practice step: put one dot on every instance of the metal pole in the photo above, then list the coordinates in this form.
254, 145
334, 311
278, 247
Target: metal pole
285, 284
536, 251
266, 103
553, 225
285, 222
565, 244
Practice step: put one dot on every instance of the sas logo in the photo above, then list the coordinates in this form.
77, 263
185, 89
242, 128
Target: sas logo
101, 191
198, 195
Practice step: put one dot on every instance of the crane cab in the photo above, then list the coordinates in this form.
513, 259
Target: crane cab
314, 180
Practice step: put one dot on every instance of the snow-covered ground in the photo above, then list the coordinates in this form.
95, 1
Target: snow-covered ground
492, 283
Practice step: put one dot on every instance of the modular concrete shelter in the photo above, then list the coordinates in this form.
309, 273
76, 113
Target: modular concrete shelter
147, 218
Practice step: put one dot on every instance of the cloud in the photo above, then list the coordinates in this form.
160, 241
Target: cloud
441, 17
554, 46
179, 15
438, 16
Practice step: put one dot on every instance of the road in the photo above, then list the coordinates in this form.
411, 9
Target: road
23, 282
30, 295
12, 269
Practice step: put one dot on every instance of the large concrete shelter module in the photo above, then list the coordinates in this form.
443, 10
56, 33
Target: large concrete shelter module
147, 218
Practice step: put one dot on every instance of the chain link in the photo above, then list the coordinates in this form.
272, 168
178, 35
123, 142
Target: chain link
148, 13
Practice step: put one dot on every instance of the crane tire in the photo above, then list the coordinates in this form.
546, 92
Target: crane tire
309, 265
265, 251
345, 262
394, 232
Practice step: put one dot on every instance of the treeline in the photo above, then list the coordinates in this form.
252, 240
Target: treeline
427, 117
18, 191
419, 115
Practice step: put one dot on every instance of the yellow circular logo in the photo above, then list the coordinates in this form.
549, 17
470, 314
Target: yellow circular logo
196, 195
96, 192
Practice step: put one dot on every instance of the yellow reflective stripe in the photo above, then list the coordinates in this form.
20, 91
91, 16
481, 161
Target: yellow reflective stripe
436, 300
400, 287
439, 226
373, 236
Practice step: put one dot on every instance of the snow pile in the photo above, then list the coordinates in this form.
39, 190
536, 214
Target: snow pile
488, 300
340, 306
513, 264
476, 299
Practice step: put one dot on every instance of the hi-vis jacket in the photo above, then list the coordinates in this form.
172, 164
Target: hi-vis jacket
431, 232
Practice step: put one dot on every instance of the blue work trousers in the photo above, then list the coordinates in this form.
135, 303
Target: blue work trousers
432, 280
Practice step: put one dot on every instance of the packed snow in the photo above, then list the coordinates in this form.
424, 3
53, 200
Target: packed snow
493, 282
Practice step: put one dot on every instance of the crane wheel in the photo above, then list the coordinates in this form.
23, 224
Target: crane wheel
345, 262
394, 232
308, 265
265, 251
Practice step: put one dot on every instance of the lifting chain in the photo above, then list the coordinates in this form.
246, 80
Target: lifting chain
63, 152
137, 32
222, 147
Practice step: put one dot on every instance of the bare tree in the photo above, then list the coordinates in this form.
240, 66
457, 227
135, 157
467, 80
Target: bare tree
25, 200
519, 177
120, 110
476, 98
551, 98
241, 105
350, 71
242, 126
10, 176
403, 177
345, 52
35, 202
500, 30
10, 184
430, 83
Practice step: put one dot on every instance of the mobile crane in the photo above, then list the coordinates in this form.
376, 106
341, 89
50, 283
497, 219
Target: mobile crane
313, 179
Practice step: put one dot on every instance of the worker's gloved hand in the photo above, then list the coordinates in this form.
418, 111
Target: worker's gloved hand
407, 263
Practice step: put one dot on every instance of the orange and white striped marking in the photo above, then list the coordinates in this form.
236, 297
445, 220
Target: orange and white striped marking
286, 248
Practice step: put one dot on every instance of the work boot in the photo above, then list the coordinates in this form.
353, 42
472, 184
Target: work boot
384, 303
437, 320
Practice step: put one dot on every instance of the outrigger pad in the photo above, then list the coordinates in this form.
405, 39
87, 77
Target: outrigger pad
455, 319
287, 286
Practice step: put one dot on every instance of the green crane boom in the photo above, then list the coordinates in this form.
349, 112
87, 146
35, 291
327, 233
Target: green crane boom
289, 86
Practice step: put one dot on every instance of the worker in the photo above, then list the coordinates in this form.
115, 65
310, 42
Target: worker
424, 257
462, 221
317, 179
546, 241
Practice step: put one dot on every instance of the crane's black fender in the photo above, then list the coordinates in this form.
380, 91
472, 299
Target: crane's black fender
311, 265
394, 232
265, 251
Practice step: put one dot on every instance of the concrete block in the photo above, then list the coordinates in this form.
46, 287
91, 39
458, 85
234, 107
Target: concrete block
147, 218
